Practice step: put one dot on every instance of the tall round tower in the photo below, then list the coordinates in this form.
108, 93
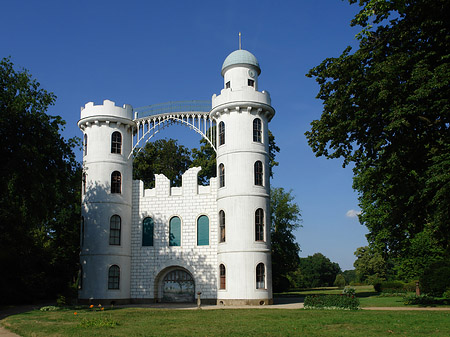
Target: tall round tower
106, 202
242, 114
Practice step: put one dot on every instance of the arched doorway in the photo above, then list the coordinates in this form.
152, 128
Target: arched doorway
178, 286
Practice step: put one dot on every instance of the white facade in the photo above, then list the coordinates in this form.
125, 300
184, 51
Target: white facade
168, 243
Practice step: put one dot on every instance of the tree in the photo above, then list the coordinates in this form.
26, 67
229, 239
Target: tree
161, 157
386, 111
285, 215
39, 192
369, 265
205, 158
318, 271
340, 281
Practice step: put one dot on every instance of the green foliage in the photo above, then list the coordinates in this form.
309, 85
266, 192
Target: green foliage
392, 287
98, 322
332, 302
349, 291
435, 280
49, 308
420, 300
318, 271
349, 275
370, 266
273, 150
205, 158
340, 281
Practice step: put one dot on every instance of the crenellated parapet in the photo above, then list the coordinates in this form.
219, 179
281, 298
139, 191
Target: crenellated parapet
105, 113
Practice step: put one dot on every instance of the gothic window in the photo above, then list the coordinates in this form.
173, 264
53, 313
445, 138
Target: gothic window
223, 277
175, 231
116, 142
259, 225
113, 277
260, 276
203, 231
116, 182
251, 83
228, 85
221, 175
257, 130
221, 133
147, 232
114, 230
222, 226
258, 173
85, 144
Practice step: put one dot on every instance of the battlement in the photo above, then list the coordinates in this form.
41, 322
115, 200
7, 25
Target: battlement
108, 108
244, 94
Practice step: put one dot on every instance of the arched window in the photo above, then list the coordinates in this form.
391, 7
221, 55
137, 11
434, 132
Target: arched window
260, 276
114, 230
147, 232
175, 231
113, 277
222, 226
257, 130
82, 231
258, 173
223, 277
221, 133
116, 142
203, 231
116, 182
85, 144
259, 225
83, 183
221, 175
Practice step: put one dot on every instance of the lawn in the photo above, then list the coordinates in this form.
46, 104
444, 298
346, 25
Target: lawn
229, 322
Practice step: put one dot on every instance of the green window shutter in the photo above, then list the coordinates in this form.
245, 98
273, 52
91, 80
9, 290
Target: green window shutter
147, 232
203, 231
175, 232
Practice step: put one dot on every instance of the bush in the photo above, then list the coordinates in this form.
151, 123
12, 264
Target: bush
340, 281
392, 287
332, 302
410, 286
349, 291
436, 279
421, 300
49, 308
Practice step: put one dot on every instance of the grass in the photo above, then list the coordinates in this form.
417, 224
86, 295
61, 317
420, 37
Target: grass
230, 322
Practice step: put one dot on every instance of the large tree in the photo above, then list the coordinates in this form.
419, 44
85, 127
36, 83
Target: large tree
318, 271
386, 112
39, 192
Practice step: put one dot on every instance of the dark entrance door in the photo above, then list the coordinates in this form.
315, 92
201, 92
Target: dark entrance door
178, 286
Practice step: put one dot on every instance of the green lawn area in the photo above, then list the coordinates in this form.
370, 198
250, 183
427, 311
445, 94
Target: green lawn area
230, 322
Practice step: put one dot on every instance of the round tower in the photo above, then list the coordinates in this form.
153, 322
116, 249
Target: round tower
106, 202
242, 114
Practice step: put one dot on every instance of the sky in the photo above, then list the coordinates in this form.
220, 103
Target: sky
148, 52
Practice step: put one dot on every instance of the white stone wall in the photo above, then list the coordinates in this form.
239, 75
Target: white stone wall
150, 264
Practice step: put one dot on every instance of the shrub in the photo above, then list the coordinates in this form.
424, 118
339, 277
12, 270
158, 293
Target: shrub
49, 308
392, 287
332, 302
421, 300
446, 294
436, 279
410, 286
340, 281
349, 291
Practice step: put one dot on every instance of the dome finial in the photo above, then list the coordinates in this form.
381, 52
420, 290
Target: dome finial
240, 43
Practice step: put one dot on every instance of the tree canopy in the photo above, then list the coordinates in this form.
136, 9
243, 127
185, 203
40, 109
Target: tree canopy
386, 112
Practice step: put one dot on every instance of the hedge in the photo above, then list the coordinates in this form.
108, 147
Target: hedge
331, 302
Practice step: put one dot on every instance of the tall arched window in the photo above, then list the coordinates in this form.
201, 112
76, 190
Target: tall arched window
257, 130
113, 277
83, 183
259, 224
116, 182
221, 226
175, 231
202, 231
116, 142
221, 175
147, 232
82, 231
114, 230
85, 144
223, 277
260, 276
221, 133
258, 173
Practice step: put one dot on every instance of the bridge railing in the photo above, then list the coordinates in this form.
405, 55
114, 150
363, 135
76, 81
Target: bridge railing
172, 107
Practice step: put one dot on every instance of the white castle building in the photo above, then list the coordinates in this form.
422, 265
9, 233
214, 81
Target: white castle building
170, 243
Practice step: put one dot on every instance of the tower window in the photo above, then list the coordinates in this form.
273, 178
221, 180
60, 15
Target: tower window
257, 130
228, 85
83, 183
175, 231
203, 231
85, 144
147, 232
221, 175
113, 277
116, 142
258, 168
221, 133
222, 226
116, 182
260, 276
114, 230
259, 225
223, 277
251, 83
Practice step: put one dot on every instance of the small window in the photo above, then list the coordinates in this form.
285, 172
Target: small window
175, 231
114, 230
257, 130
260, 276
116, 182
221, 133
228, 85
85, 144
147, 232
116, 142
223, 277
259, 225
203, 231
113, 277
251, 83
82, 231
221, 175
222, 226
258, 173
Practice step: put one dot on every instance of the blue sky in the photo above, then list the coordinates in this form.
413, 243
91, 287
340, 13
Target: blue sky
147, 52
